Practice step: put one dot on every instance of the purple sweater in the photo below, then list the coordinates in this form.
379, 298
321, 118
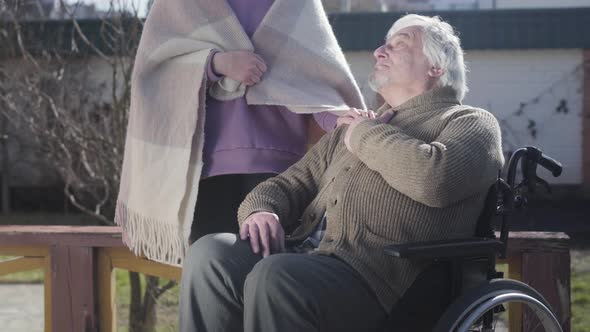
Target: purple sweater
242, 138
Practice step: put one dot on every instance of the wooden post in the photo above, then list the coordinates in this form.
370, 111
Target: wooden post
72, 294
544, 264
106, 293
48, 312
549, 273
515, 309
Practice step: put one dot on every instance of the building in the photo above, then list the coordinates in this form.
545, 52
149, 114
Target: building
78, 10
333, 6
48, 9
442, 5
528, 67
26, 9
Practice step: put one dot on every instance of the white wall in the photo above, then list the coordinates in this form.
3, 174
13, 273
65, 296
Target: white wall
26, 166
361, 64
455, 4
500, 80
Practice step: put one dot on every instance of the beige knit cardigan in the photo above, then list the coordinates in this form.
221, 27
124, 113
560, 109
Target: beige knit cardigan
162, 164
423, 176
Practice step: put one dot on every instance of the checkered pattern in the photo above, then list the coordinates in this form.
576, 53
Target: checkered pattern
313, 240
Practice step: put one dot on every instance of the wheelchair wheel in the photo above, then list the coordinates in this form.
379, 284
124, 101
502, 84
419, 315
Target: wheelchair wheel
467, 313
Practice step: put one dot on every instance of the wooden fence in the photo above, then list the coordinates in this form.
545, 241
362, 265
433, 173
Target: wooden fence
79, 282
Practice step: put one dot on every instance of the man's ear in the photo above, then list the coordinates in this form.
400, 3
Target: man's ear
436, 72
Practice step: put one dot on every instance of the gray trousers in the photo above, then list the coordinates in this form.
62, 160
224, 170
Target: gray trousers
226, 287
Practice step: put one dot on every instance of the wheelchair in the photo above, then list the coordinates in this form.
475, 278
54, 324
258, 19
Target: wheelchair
463, 290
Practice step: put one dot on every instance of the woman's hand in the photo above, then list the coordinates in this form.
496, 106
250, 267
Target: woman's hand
243, 66
348, 117
383, 118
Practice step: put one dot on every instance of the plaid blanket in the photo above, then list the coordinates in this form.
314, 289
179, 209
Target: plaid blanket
162, 163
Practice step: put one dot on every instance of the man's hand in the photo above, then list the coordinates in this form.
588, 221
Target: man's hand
384, 118
242, 66
264, 231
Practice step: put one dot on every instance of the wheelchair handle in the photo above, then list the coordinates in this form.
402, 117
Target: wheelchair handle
551, 165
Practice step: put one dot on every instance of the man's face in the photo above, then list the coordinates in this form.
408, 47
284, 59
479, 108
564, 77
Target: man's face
401, 61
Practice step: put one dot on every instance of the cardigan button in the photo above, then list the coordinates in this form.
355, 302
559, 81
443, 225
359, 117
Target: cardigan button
347, 168
312, 215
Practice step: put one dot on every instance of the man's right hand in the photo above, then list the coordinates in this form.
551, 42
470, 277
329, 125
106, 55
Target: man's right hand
265, 232
242, 66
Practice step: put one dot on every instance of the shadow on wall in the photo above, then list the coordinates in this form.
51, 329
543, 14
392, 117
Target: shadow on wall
38, 199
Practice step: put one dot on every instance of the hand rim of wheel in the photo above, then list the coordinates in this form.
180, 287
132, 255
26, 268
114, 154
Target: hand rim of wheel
543, 313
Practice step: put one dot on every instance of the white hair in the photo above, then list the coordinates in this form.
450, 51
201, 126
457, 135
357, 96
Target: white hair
442, 48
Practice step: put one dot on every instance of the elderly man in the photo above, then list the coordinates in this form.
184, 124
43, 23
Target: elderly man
417, 172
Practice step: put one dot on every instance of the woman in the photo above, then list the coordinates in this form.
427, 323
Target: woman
244, 144
219, 94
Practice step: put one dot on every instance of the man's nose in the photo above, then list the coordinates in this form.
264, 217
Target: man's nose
380, 53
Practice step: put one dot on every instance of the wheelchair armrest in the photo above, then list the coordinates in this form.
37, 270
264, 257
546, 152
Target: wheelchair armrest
473, 247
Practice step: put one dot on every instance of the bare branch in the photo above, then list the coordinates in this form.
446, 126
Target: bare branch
21, 46
82, 34
161, 290
75, 202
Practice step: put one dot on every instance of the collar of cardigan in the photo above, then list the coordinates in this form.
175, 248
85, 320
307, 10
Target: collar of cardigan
423, 102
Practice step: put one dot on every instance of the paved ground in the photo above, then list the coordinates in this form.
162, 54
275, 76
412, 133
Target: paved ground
21, 308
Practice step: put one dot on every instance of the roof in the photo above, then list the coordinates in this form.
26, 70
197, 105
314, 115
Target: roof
481, 29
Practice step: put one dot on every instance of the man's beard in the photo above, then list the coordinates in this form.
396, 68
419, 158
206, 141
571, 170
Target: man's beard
377, 81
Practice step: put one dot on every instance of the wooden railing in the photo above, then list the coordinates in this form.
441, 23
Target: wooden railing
69, 257
122, 258
79, 287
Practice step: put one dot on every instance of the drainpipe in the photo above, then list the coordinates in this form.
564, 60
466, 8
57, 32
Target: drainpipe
345, 6
4, 175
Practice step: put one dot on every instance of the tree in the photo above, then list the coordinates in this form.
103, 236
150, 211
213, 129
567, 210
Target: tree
76, 121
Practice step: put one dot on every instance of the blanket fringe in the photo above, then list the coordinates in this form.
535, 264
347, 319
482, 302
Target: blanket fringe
157, 240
